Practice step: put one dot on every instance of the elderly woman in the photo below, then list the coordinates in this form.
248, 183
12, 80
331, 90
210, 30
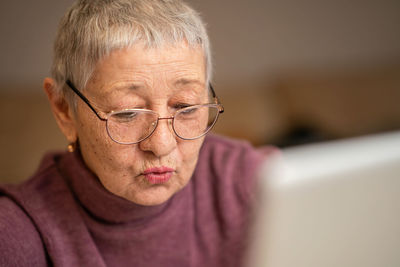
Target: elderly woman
140, 184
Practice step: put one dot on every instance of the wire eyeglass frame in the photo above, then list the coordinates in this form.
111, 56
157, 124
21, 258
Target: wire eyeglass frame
217, 104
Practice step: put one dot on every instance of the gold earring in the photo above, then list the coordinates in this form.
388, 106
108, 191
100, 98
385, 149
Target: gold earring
71, 147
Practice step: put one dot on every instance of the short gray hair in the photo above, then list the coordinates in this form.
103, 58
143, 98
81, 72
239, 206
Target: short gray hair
91, 29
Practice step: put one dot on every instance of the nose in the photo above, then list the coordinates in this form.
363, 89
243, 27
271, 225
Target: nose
162, 141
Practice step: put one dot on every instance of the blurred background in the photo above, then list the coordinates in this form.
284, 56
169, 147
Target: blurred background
288, 72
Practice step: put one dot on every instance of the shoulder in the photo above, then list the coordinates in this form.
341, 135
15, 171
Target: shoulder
20, 242
224, 192
226, 155
231, 164
21, 205
36, 190
224, 142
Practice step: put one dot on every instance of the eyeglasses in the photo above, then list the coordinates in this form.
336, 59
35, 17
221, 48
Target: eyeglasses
132, 126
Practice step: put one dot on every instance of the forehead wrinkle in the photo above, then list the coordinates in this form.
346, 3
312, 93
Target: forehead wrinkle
150, 76
182, 75
161, 64
172, 78
147, 86
186, 81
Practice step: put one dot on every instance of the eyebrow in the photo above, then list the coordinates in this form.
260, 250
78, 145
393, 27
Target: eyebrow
179, 82
132, 87
185, 81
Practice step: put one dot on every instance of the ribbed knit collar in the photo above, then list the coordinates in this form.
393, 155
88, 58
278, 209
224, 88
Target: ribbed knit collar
97, 200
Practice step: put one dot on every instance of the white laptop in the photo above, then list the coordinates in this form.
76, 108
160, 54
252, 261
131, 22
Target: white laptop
335, 204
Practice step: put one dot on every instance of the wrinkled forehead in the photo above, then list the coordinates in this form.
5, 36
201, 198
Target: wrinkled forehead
178, 61
151, 70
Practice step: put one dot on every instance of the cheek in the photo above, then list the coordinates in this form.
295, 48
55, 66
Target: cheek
189, 151
94, 141
92, 133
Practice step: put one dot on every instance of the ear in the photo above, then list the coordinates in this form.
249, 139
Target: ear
62, 111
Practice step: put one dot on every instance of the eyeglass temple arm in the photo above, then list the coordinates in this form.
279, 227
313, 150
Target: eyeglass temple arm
76, 91
216, 98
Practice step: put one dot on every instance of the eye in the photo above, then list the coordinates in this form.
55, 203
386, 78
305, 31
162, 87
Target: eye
188, 110
181, 106
125, 116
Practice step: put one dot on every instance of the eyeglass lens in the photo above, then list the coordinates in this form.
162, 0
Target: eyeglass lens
133, 126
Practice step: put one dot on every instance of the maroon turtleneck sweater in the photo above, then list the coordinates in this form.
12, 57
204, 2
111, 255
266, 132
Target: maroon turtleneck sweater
63, 216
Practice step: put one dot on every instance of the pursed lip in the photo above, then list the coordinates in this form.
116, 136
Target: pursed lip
158, 175
158, 170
